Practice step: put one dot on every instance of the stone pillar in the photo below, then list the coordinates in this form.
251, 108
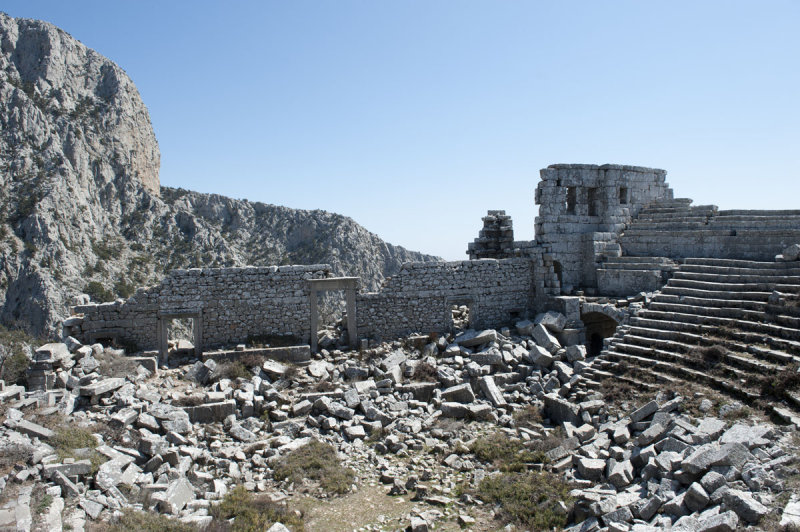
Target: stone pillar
163, 346
313, 318
198, 334
352, 332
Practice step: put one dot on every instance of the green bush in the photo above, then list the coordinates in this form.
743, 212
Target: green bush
16, 362
98, 292
251, 514
316, 461
68, 440
105, 251
13, 367
232, 371
124, 288
531, 499
528, 417
505, 453
132, 520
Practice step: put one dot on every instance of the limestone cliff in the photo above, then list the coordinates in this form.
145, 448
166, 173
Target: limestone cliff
80, 204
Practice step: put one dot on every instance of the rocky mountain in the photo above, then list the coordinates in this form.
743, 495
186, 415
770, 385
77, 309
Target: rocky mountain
81, 209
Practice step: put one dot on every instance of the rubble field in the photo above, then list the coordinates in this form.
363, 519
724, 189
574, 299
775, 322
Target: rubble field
474, 432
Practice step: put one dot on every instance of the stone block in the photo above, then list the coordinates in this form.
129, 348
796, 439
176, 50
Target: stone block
545, 339
179, 493
461, 393
491, 391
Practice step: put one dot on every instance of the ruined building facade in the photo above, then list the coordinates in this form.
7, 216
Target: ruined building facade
602, 230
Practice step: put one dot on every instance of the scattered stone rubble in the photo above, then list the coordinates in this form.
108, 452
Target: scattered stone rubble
403, 415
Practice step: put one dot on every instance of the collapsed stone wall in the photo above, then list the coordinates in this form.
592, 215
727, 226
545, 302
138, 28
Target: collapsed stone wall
582, 210
419, 297
234, 304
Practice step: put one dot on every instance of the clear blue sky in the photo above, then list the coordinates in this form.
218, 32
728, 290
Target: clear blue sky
415, 117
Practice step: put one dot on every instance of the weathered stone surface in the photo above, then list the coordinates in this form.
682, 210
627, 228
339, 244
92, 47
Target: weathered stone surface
101, 387
461, 394
590, 468
178, 495
644, 412
474, 338
553, 321
560, 410
491, 391
545, 339
745, 506
751, 436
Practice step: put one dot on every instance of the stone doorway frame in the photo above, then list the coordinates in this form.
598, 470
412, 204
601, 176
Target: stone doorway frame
165, 317
349, 285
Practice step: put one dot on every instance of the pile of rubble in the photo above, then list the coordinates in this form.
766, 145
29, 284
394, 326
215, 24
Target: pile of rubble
404, 414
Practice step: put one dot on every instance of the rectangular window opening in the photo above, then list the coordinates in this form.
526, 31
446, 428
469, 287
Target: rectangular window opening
623, 195
592, 201
571, 200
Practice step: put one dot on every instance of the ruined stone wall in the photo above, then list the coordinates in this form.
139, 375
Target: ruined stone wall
582, 209
419, 297
235, 303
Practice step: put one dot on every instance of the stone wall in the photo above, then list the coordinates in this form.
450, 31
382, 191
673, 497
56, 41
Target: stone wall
582, 209
234, 304
419, 297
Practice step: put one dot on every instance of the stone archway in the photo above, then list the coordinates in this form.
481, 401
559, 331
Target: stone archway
600, 322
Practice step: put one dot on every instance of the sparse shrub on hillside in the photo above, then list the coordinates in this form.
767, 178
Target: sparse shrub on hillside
532, 500
528, 417
319, 462
124, 289
98, 292
425, 372
505, 453
708, 356
106, 251
781, 384
134, 520
13, 349
76, 443
250, 513
232, 370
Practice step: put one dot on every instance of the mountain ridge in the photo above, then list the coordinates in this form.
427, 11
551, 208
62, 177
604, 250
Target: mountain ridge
82, 209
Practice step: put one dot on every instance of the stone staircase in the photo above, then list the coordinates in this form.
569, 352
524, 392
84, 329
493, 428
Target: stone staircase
708, 303
676, 229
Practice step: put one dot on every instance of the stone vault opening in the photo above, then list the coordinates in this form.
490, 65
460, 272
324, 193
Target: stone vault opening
598, 327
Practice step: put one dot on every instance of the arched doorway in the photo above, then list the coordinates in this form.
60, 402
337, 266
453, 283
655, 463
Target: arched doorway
599, 326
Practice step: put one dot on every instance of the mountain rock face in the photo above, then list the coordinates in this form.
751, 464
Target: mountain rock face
81, 209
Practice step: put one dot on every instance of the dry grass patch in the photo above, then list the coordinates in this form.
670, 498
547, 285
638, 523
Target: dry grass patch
319, 462
708, 357
506, 454
528, 417
538, 501
77, 443
425, 372
241, 511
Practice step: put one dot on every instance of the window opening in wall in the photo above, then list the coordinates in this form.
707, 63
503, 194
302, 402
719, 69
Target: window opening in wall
557, 270
180, 335
623, 195
571, 200
592, 201
598, 327
332, 324
460, 316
